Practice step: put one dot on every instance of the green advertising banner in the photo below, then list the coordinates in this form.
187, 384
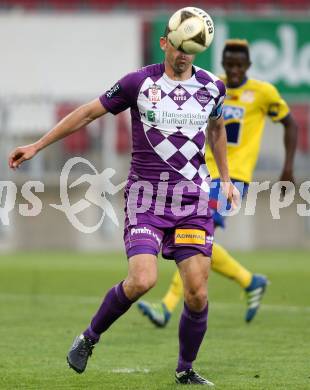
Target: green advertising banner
280, 50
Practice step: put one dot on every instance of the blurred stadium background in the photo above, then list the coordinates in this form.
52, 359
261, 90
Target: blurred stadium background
58, 54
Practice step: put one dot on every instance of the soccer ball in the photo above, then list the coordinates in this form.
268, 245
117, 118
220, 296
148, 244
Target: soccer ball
191, 30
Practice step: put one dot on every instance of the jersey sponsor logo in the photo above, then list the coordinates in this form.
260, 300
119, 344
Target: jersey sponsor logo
155, 93
144, 231
153, 116
209, 239
232, 112
233, 117
183, 119
113, 91
190, 236
150, 115
247, 96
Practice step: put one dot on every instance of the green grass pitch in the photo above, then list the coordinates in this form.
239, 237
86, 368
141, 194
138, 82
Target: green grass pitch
47, 299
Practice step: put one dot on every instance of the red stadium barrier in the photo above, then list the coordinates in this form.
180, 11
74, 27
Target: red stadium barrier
138, 5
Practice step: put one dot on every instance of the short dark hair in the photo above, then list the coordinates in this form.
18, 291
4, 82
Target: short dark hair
237, 45
166, 31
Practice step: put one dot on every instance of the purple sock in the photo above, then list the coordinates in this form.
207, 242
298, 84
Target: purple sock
114, 305
192, 329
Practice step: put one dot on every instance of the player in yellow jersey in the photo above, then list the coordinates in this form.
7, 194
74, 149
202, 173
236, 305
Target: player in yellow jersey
247, 104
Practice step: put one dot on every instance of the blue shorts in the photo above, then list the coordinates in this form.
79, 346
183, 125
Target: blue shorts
218, 200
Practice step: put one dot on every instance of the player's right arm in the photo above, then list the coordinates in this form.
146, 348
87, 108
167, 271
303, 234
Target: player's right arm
278, 110
218, 143
78, 118
217, 140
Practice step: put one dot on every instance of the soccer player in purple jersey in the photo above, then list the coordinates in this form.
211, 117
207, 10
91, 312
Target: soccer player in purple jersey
171, 105
248, 103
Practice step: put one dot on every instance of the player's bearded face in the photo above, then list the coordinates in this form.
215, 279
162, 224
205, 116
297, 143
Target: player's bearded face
235, 65
179, 61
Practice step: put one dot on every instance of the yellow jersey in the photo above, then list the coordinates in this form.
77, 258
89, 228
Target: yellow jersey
245, 110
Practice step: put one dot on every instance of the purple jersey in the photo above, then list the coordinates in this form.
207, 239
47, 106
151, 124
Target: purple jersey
169, 120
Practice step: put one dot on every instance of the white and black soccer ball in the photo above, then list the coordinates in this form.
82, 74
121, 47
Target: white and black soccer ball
191, 30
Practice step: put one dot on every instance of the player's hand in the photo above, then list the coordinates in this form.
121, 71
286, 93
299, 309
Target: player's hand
231, 192
286, 175
21, 154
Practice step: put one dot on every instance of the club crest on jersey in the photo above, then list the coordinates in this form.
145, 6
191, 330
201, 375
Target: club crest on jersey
247, 97
154, 93
203, 96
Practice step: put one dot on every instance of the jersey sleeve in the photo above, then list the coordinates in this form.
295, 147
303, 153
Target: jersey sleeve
216, 113
276, 107
122, 95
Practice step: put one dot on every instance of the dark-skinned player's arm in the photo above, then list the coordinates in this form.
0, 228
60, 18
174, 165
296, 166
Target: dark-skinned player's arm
78, 118
218, 143
290, 143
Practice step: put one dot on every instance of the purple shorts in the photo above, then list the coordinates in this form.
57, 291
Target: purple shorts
178, 223
177, 236
176, 243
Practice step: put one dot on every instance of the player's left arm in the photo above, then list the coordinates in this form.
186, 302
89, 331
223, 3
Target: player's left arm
278, 111
290, 142
217, 139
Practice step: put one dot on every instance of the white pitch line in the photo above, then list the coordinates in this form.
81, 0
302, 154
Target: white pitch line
130, 370
93, 300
